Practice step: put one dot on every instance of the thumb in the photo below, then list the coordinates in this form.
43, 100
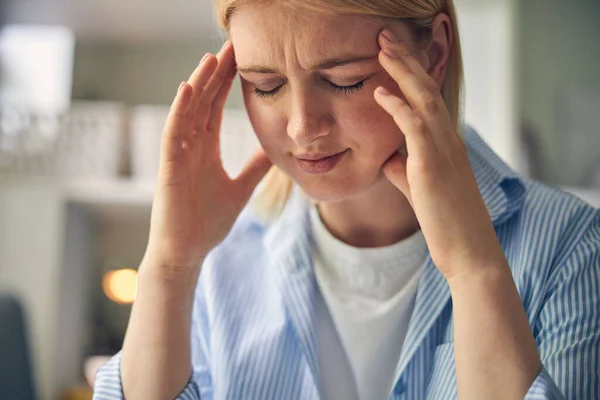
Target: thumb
394, 170
256, 168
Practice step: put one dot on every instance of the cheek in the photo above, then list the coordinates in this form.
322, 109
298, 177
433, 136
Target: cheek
373, 131
268, 125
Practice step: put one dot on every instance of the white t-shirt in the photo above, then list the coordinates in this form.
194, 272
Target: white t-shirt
362, 315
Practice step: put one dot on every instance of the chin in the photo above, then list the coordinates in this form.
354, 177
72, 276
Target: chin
326, 196
335, 190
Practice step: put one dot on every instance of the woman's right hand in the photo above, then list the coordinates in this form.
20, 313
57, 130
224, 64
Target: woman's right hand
196, 202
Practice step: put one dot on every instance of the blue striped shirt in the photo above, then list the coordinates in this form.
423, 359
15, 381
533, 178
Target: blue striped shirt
253, 334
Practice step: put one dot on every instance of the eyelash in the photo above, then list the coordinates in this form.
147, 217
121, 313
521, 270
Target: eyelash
340, 89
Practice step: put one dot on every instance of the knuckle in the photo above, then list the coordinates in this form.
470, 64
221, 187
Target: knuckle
404, 49
431, 104
201, 88
424, 170
205, 103
213, 126
398, 105
405, 52
432, 85
200, 127
418, 124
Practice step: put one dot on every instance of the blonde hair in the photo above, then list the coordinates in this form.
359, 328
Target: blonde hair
420, 14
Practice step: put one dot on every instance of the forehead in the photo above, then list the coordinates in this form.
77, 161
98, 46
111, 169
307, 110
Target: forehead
275, 34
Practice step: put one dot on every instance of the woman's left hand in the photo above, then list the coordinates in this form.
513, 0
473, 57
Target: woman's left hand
433, 170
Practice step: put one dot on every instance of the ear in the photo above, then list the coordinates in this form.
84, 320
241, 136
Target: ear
438, 50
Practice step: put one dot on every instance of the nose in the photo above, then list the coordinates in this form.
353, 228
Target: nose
308, 120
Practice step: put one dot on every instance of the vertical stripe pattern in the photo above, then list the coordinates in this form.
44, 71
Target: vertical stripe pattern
254, 335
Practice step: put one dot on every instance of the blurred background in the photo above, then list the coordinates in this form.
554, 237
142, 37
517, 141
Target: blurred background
84, 91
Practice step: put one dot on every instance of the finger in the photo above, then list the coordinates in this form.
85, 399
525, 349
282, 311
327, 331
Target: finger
201, 76
418, 87
394, 170
226, 62
178, 125
416, 132
387, 40
216, 117
254, 171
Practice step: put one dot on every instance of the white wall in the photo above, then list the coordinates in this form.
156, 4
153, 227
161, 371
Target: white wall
147, 73
559, 55
487, 30
117, 20
32, 216
31, 242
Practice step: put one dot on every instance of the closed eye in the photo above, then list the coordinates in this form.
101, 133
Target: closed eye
336, 88
347, 89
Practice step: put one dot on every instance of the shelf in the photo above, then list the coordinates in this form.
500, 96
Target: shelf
111, 202
127, 192
123, 194
110, 192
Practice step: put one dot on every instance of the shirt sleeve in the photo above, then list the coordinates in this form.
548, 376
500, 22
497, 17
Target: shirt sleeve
107, 385
544, 388
567, 330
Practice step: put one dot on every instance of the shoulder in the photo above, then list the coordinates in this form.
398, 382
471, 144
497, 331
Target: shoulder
231, 272
552, 216
241, 250
550, 240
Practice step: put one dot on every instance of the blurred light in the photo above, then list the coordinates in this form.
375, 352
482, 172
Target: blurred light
120, 285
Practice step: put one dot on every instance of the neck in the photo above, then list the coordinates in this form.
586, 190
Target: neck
378, 217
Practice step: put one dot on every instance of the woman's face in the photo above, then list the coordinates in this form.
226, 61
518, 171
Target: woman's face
308, 81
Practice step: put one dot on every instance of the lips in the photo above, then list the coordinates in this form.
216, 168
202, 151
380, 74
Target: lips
316, 156
319, 163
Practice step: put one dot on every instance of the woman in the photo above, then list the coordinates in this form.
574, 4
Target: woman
392, 258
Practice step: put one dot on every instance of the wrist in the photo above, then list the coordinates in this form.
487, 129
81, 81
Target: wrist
466, 278
169, 277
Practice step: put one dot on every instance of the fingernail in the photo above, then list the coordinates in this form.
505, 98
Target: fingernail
181, 85
204, 58
389, 35
383, 91
390, 53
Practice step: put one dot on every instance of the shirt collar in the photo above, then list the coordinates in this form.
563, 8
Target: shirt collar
503, 191
288, 243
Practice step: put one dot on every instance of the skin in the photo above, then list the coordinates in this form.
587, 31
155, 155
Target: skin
406, 169
358, 204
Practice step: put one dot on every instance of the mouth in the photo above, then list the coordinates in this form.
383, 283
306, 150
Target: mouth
319, 163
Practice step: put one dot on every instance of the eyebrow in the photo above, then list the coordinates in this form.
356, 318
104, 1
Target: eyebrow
327, 64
